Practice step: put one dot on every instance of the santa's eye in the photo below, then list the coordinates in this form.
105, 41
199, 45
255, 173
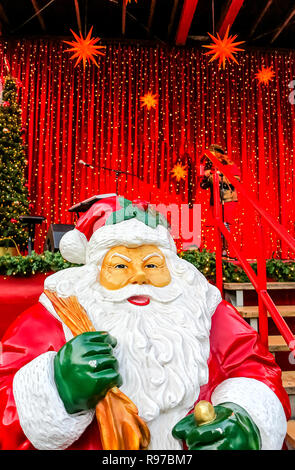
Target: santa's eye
121, 266
151, 266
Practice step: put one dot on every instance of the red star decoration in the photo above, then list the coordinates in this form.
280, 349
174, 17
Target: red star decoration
149, 100
224, 49
84, 49
179, 171
264, 75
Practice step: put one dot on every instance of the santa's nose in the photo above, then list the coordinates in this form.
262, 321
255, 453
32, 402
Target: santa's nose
139, 278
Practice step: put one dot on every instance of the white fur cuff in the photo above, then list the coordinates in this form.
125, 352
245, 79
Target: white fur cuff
261, 403
42, 415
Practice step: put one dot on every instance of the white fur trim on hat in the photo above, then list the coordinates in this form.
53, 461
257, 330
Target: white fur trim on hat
75, 248
130, 233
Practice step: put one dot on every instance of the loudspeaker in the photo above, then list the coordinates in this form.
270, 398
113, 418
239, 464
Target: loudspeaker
54, 234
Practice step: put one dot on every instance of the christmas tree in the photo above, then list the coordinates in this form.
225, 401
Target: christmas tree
13, 189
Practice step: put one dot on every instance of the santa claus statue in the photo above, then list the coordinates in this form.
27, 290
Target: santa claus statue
118, 352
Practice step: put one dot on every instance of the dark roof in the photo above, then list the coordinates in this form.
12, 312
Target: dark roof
263, 23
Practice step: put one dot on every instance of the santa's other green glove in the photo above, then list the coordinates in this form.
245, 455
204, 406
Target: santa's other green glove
85, 369
232, 429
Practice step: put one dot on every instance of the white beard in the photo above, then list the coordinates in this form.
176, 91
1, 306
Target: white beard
162, 347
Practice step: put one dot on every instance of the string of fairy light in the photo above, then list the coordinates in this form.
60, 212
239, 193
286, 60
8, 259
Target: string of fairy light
191, 112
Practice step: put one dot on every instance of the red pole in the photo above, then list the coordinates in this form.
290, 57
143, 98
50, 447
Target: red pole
186, 18
217, 217
279, 321
229, 15
261, 271
244, 263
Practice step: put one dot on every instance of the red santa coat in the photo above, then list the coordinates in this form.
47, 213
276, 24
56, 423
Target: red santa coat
235, 351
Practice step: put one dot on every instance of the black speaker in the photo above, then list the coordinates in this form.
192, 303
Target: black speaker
55, 232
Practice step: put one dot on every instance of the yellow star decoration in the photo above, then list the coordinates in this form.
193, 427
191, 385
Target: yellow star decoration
149, 100
224, 49
179, 172
265, 75
84, 49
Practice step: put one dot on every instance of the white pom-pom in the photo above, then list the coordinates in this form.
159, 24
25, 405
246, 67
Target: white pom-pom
73, 246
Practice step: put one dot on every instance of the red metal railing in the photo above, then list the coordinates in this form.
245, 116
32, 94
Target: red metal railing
265, 303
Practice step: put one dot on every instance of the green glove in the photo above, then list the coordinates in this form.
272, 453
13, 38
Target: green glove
85, 369
232, 429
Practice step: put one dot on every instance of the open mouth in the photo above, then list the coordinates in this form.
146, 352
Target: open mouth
139, 300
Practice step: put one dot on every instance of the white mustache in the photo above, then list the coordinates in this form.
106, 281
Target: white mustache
159, 294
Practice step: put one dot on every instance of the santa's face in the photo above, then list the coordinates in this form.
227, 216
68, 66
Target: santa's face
145, 264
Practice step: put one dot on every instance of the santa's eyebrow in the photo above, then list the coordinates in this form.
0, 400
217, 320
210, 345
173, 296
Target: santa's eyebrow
121, 256
151, 255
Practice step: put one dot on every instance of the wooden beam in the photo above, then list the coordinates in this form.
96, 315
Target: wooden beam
78, 15
132, 17
213, 16
40, 17
229, 15
123, 17
85, 18
284, 25
186, 18
172, 16
265, 34
3, 15
260, 17
151, 16
33, 16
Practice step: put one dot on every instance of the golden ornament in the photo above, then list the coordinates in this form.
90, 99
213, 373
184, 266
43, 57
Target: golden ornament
204, 413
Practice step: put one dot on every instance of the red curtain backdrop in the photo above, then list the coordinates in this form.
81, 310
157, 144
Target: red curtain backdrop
96, 116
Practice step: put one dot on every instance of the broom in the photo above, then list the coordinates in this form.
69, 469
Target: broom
117, 416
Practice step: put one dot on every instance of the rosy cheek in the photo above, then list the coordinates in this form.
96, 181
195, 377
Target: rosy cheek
159, 278
120, 275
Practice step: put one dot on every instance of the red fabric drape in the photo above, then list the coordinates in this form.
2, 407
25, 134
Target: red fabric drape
96, 116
